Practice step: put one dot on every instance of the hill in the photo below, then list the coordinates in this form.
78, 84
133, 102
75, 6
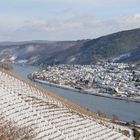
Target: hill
32, 113
36, 52
118, 47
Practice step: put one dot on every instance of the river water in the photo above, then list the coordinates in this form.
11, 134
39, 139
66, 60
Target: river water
124, 110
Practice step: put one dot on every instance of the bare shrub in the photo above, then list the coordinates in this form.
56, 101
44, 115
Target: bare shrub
10, 131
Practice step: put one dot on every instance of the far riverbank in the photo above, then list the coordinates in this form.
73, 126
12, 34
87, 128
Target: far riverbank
82, 91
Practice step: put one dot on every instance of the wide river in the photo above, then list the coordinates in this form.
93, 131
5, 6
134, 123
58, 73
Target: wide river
124, 110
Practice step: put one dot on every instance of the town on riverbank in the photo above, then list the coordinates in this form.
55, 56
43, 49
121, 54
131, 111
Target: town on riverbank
117, 80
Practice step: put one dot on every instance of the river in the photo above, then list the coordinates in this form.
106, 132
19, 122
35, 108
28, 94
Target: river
124, 110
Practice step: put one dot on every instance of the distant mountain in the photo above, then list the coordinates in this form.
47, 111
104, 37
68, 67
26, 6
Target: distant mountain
118, 47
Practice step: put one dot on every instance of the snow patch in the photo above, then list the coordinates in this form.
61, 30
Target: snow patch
122, 56
72, 59
23, 61
12, 58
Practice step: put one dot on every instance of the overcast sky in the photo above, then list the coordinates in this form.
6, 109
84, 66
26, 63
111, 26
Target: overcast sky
66, 19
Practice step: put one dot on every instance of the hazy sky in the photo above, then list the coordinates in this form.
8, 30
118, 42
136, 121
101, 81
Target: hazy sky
65, 19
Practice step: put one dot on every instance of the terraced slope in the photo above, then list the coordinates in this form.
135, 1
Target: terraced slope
48, 117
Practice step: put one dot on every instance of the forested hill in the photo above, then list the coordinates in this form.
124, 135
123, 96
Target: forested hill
121, 47
118, 47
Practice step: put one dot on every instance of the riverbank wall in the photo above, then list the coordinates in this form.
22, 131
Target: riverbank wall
83, 91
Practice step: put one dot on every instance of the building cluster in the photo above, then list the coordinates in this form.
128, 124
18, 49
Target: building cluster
49, 117
116, 79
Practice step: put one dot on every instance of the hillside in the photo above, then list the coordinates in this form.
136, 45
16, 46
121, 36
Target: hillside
36, 52
118, 47
121, 47
46, 116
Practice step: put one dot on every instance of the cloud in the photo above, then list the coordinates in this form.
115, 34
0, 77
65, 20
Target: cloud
85, 1
30, 48
78, 27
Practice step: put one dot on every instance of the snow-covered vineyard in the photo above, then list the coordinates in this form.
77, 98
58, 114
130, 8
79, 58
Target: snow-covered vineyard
50, 118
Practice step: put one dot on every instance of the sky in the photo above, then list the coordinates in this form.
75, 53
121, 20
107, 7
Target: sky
22, 20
